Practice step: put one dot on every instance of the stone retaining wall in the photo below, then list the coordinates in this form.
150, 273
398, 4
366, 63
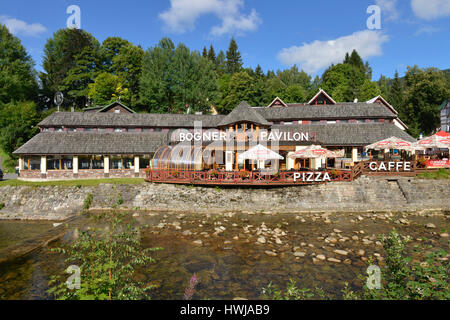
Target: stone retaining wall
363, 194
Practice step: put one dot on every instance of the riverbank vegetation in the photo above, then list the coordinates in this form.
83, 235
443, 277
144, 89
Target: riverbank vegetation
73, 183
401, 279
104, 262
440, 174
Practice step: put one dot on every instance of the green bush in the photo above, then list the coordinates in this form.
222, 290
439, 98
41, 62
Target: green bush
401, 279
88, 201
2, 205
107, 259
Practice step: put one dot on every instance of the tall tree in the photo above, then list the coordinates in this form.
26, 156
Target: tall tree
221, 63
110, 49
60, 56
108, 88
241, 88
368, 90
234, 60
174, 79
17, 75
205, 52
425, 91
127, 65
212, 54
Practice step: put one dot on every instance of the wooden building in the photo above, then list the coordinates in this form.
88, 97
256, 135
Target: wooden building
114, 141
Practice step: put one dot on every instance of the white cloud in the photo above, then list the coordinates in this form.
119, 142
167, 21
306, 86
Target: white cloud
431, 9
182, 15
388, 9
314, 56
17, 26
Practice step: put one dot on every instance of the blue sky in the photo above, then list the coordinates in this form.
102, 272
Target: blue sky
274, 34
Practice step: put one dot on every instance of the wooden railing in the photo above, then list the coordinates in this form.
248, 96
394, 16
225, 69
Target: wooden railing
247, 177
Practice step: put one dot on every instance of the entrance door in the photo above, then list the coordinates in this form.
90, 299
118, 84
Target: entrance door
229, 161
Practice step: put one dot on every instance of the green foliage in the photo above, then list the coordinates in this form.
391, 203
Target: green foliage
69, 59
108, 259
88, 201
401, 279
17, 74
176, 78
2, 205
108, 88
292, 292
241, 88
18, 124
439, 174
234, 60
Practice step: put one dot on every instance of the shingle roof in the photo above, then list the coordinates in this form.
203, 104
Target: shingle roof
73, 143
244, 112
327, 112
351, 134
86, 119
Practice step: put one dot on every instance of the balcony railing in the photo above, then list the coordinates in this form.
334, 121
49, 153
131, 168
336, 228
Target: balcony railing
214, 177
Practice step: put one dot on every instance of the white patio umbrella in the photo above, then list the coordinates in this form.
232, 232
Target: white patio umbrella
259, 153
314, 151
393, 143
434, 142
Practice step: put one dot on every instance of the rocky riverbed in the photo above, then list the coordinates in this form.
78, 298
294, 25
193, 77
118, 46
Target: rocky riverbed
236, 254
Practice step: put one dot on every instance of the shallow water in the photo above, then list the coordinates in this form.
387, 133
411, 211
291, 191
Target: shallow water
231, 263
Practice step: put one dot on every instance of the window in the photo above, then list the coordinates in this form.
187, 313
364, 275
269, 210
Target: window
32, 163
144, 161
157, 129
117, 111
288, 123
118, 130
53, 163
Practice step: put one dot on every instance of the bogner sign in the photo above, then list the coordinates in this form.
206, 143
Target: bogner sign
390, 166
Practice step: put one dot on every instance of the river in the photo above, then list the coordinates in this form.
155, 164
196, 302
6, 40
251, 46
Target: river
233, 254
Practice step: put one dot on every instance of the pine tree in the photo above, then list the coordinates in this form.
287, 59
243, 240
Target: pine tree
212, 54
234, 59
205, 53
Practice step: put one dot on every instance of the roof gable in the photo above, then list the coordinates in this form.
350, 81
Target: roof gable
383, 101
244, 113
277, 102
321, 98
114, 104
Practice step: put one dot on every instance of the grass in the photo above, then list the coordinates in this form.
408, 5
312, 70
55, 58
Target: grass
441, 174
72, 183
9, 165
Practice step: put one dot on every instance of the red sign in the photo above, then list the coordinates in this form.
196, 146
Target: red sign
437, 163
428, 141
320, 151
445, 141
383, 143
402, 143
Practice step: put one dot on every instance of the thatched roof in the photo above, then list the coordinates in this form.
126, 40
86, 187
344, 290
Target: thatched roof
75, 143
328, 112
244, 112
350, 134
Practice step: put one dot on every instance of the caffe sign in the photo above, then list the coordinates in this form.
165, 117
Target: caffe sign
393, 166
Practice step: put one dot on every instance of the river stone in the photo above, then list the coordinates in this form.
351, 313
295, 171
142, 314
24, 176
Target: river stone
341, 252
186, 233
299, 254
270, 253
430, 226
334, 260
444, 235
321, 257
198, 242
261, 240
361, 252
